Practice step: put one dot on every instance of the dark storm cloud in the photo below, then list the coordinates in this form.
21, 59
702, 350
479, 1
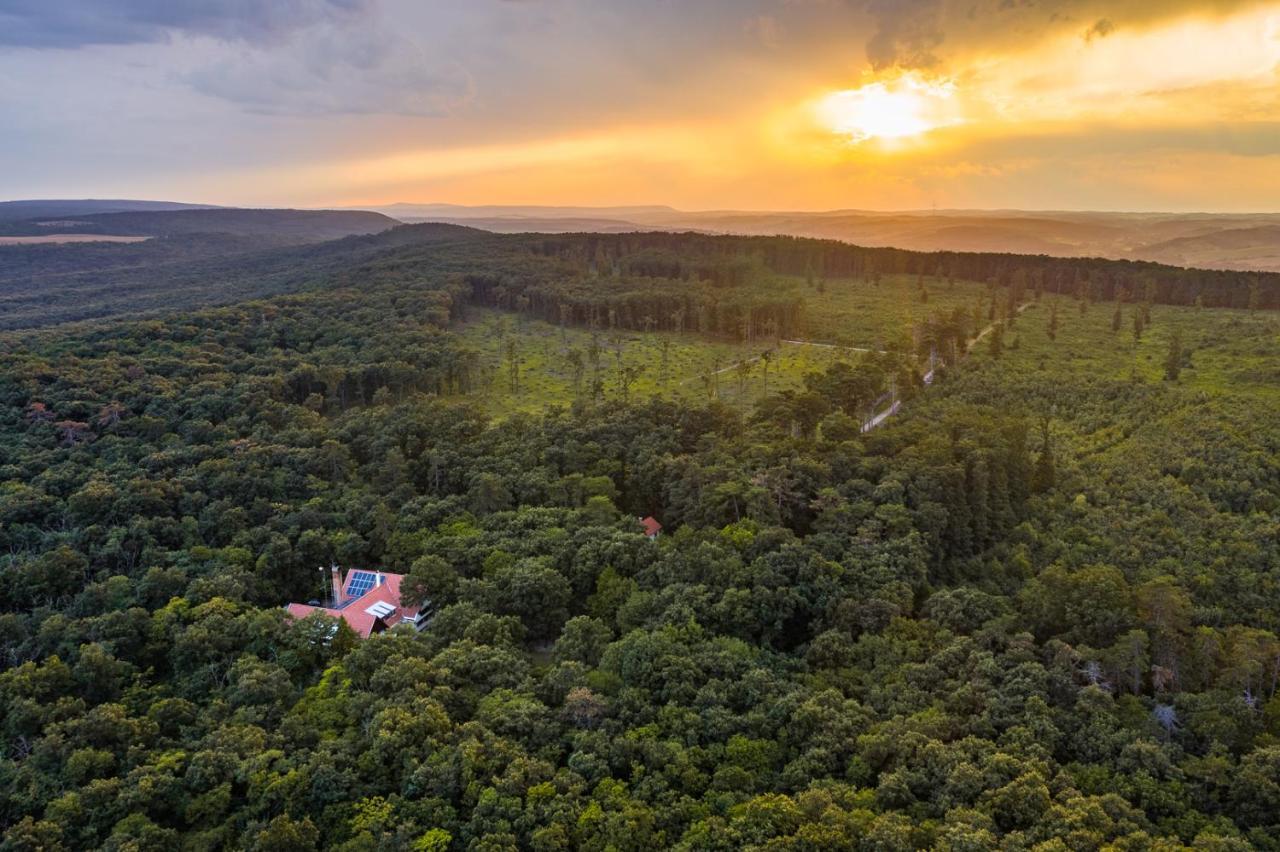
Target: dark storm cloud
76, 23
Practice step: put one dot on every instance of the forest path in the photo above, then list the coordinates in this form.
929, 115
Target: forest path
894, 407
727, 369
831, 346
990, 328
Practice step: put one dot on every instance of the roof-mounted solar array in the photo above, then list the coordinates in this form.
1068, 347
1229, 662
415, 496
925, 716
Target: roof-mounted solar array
360, 582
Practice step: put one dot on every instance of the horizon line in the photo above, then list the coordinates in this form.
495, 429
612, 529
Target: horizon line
639, 206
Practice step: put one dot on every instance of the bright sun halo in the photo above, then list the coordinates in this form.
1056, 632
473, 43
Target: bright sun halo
896, 109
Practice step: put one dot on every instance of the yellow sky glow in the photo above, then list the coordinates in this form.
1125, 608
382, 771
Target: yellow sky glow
889, 109
1163, 74
983, 129
1151, 74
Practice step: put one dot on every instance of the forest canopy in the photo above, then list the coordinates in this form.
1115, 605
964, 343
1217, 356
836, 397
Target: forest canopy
1036, 608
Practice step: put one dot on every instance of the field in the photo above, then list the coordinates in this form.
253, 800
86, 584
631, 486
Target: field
680, 366
1224, 350
1109, 403
863, 313
845, 319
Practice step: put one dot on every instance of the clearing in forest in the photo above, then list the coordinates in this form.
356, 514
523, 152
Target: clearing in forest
555, 365
530, 364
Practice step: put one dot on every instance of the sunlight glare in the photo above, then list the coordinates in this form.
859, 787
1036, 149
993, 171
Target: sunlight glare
889, 109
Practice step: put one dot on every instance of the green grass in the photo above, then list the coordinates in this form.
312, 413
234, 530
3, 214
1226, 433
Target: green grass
1106, 392
844, 312
854, 312
546, 375
1233, 351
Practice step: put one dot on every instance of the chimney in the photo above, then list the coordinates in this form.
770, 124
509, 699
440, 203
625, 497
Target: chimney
379, 580
336, 573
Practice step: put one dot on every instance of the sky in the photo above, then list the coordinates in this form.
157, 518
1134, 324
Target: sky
698, 104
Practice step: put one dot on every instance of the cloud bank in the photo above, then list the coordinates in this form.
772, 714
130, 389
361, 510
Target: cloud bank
79, 23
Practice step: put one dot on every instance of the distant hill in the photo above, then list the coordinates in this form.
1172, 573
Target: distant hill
1234, 248
423, 233
17, 211
43, 285
302, 225
199, 257
444, 212
1238, 242
292, 226
1217, 241
527, 224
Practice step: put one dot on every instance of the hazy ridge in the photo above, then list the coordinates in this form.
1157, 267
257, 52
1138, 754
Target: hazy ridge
1244, 242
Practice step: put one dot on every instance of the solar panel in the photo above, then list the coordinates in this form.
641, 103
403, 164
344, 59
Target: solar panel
360, 582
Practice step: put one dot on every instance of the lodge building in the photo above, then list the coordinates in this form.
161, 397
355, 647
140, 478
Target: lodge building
368, 601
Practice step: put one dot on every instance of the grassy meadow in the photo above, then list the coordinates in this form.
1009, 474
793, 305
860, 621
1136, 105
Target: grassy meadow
1223, 350
862, 313
685, 366
843, 317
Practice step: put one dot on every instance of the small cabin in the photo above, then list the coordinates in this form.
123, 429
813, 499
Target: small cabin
651, 526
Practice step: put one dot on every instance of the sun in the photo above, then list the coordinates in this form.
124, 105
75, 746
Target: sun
889, 109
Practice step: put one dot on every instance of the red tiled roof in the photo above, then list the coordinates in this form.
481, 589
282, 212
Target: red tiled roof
356, 612
651, 526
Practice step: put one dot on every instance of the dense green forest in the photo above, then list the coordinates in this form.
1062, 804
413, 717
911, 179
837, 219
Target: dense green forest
1037, 609
745, 286
49, 284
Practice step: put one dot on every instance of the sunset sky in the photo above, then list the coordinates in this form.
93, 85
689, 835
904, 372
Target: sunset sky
701, 104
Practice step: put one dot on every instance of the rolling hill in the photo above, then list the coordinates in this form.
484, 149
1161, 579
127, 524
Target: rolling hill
1218, 241
19, 211
295, 226
43, 285
1235, 248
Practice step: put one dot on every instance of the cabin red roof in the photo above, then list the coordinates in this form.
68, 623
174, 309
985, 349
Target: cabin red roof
370, 603
651, 526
